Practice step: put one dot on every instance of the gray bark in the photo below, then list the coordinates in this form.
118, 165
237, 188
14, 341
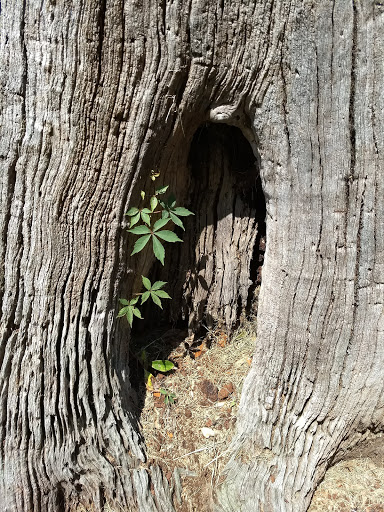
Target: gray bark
93, 95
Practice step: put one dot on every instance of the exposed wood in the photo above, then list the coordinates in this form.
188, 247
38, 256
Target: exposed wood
316, 385
213, 282
93, 95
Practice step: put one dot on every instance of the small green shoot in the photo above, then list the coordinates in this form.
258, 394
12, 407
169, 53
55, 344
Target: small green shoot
169, 397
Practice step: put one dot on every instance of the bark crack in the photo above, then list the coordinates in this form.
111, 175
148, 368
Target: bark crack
352, 126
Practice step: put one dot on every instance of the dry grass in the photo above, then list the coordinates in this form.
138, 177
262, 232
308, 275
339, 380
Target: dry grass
351, 486
174, 439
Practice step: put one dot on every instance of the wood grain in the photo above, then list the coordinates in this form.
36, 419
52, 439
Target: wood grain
93, 95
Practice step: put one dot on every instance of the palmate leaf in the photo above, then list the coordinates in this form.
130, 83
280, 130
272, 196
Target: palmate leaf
156, 233
170, 210
154, 291
157, 294
129, 310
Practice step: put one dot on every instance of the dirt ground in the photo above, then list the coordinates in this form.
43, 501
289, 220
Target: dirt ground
189, 438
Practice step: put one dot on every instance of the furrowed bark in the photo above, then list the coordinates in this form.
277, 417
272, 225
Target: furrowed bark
315, 389
94, 96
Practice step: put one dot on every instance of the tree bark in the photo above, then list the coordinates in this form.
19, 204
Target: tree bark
316, 386
96, 94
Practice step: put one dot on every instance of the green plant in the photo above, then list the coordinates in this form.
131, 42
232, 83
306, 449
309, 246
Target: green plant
169, 397
162, 365
152, 229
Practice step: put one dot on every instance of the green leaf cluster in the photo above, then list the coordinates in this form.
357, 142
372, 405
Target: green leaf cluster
129, 309
169, 397
152, 229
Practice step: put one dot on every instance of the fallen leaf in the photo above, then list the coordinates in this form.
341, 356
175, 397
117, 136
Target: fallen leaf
170, 435
209, 390
198, 352
148, 377
225, 391
156, 394
222, 339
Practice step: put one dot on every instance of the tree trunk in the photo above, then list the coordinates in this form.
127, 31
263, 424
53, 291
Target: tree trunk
96, 94
316, 386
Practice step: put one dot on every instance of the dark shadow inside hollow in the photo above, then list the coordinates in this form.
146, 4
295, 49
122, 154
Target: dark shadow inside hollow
213, 275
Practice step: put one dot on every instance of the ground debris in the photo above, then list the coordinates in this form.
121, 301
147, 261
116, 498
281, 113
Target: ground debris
225, 391
196, 383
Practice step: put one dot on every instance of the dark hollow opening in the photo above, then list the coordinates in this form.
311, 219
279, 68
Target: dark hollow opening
215, 274
228, 231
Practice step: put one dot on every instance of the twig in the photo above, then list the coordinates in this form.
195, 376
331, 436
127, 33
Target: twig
196, 451
216, 458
